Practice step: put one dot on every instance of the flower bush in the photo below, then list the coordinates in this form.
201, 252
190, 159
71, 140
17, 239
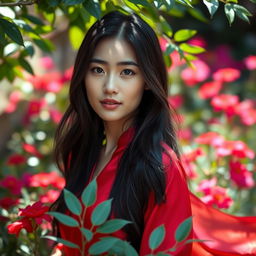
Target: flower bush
217, 115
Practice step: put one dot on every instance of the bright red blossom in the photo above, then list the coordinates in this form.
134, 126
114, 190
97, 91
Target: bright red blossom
29, 148
209, 89
226, 75
175, 101
15, 228
50, 196
12, 184
8, 202
46, 179
16, 159
240, 175
37, 211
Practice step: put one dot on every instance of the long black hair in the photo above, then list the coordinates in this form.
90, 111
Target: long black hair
80, 132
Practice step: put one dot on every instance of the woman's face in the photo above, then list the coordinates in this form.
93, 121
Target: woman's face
114, 82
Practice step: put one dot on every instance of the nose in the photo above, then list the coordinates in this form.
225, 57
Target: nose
110, 86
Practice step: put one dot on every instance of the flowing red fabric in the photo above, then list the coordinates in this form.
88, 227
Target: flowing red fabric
227, 234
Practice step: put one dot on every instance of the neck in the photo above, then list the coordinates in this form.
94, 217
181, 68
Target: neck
113, 132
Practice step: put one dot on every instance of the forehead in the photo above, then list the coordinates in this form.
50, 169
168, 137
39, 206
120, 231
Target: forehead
112, 49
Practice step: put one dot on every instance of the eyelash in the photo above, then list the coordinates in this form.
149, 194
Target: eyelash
96, 69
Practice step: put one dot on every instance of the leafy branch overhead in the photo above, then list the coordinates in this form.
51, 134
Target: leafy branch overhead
26, 24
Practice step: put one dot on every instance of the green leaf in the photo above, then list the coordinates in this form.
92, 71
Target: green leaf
169, 4
93, 8
230, 13
184, 34
76, 36
34, 19
170, 48
89, 194
212, 6
253, 1
166, 26
167, 60
112, 226
72, 202
196, 241
196, 13
10, 49
101, 212
183, 230
64, 219
156, 237
72, 2
44, 45
87, 234
103, 245
141, 2
129, 250
12, 31
26, 66
191, 48
242, 12
62, 241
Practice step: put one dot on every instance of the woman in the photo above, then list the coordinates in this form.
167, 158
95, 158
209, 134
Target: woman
119, 92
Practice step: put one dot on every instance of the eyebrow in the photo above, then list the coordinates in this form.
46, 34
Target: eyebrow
121, 63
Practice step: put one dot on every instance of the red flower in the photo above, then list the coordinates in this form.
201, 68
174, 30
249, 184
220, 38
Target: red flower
209, 89
193, 155
205, 186
15, 228
192, 76
185, 134
226, 103
50, 196
36, 211
8, 202
14, 99
250, 62
55, 115
199, 41
240, 175
67, 74
218, 197
12, 184
46, 179
235, 148
210, 138
226, 75
16, 159
29, 148
175, 101
47, 62
246, 111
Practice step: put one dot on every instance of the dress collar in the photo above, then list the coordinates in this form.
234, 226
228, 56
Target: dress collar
126, 137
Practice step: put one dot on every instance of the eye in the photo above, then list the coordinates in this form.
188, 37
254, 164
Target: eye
97, 70
127, 72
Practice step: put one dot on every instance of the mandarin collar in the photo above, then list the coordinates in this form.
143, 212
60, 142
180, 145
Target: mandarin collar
126, 137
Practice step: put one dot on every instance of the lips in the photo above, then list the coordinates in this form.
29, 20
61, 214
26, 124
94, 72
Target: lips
110, 102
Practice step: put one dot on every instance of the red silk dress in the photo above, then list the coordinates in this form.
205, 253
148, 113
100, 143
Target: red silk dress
228, 235
171, 213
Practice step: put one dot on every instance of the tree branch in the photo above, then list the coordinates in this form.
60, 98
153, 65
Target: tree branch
18, 3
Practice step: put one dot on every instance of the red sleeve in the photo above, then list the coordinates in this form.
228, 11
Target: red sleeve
172, 212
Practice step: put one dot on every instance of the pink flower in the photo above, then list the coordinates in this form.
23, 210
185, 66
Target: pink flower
192, 76
210, 138
193, 155
209, 89
246, 111
31, 149
15, 228
16, 159
163, 43
176, 61
226, 75
12, 184
250, 62
50, 196
235, 148
47, 62
55, 115
67, 75
185, 134
175, 101
206, 186
198, 41
34, 107
226, 103
218, 197
14, 99
36, 211
240, 175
